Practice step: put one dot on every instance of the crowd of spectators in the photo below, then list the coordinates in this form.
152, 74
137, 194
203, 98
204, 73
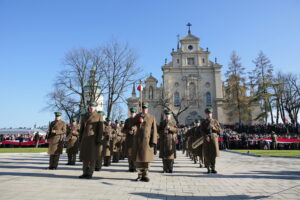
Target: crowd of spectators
20, 138
254, 136
279, 129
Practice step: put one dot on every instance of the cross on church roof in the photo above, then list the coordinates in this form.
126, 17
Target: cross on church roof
189, 25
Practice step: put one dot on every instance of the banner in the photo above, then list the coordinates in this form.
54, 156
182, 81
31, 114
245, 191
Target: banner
279, 140
25, 143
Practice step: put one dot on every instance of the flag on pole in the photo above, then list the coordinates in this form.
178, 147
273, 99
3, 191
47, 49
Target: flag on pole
140, 88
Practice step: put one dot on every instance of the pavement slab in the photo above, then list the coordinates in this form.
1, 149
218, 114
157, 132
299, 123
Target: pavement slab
24, 176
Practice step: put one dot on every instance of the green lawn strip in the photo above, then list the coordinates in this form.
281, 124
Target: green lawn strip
271, 152
23, 150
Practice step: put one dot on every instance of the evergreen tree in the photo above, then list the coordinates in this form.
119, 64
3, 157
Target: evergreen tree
237, 102
263, 75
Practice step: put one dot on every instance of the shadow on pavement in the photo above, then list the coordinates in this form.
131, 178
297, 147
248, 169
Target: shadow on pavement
254, 176
47, 175
35, 167
12, 162
162, 196
37, 175
290, 173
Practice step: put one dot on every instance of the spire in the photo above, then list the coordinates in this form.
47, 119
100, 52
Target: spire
178, 41
189, 25
133, 94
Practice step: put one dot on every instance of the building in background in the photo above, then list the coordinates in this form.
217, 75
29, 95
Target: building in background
190, 81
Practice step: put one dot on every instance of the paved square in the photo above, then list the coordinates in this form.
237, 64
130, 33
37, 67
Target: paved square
23, 176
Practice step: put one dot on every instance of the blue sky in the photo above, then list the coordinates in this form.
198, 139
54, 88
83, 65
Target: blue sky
35, 35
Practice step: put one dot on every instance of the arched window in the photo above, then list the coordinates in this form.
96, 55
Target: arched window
150, 92
192, 90
208, 98
176, 99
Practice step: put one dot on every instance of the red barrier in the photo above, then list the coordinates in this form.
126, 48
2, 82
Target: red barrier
26, 143
279, 140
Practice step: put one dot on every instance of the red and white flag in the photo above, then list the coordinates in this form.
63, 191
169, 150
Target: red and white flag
140, 88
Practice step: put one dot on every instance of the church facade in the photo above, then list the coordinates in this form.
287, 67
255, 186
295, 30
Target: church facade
191, 82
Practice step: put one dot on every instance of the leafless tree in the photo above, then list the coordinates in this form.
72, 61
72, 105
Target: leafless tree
167, 102
89, 73
59, 100
119, 70
118, 112
291, 97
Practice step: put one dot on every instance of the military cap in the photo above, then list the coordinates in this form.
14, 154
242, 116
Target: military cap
93, 103
117, 121
145, 105
74, 119
107, 119
167, 112
133, 110
57, 114
208, 110
122, 122
197, 121
101, 113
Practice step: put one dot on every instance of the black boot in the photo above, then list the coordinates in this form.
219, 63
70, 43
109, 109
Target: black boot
145, 179
83, 176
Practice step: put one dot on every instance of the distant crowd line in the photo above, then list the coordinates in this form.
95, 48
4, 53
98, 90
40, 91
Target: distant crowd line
231, 137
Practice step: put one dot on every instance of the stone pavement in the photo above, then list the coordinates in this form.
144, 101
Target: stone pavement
23, 176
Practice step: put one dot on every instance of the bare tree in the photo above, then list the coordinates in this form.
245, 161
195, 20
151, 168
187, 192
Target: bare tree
79, 82
59, 100
118, 112
291, 97
119, 70
278, 87
167, 102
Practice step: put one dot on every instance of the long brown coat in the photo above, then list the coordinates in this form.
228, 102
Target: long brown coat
146, 135
167, 139
199, 150
129, 140
116, 139
107, 140
194, 134
211, 128
91, 130
72, 139
55, 136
